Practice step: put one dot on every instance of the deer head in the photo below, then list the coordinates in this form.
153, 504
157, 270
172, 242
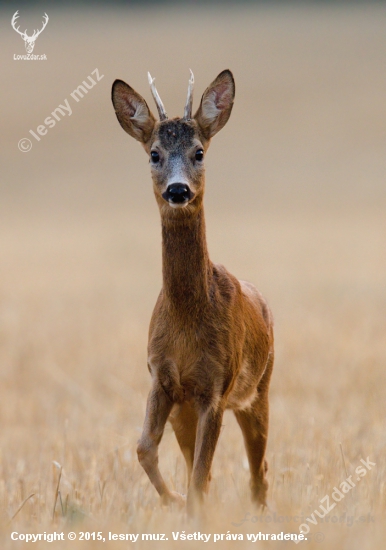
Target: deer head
176, 147
29, 40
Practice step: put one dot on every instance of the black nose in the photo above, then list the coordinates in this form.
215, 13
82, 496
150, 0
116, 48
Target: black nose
177, 193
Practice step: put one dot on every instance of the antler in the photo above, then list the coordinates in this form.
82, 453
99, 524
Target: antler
157, 99
189, 99
24, 34
45, 21
13, 23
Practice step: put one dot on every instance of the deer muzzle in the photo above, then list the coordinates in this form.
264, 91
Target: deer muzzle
178, 194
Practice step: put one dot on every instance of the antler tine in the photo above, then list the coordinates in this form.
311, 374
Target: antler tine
15, 16
157, 99
189, 99
45, 21
13, 23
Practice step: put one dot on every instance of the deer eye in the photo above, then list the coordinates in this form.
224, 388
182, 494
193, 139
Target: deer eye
199, 154
154, 156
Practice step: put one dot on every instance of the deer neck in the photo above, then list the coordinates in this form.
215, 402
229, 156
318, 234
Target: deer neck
186, 267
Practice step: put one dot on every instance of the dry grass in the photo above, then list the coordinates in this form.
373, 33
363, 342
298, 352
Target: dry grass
295, 203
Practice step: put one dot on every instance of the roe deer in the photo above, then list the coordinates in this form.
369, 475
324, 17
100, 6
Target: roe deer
211, 336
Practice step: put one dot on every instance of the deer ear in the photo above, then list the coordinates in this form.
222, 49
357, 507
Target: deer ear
216, 104
132, 111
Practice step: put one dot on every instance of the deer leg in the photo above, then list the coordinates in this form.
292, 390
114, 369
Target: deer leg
208, 431
254, 426
184, 422
157, 411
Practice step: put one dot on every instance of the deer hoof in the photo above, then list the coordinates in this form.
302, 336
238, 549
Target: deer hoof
174, 498
260, 498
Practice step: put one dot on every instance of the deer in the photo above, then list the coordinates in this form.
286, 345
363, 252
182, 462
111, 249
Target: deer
211, 343
29, 40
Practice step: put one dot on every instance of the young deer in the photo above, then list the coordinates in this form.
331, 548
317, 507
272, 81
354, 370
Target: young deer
211, 336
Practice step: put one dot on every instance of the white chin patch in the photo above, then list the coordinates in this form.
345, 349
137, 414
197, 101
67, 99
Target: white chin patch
178, 205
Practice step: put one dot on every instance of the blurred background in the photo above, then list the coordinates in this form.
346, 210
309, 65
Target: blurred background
295, 202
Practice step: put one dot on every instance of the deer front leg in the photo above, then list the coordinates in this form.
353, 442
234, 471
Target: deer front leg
157, 411
208, 431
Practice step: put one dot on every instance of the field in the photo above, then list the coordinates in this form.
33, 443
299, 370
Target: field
295, 203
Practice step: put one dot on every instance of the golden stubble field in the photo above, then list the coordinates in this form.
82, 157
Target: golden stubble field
295, 203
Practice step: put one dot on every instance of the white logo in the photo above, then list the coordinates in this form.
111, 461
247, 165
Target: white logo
29, 40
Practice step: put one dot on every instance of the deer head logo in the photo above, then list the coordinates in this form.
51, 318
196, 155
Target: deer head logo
29, 40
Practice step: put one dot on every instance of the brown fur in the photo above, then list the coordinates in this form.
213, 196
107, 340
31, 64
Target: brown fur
211, 336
